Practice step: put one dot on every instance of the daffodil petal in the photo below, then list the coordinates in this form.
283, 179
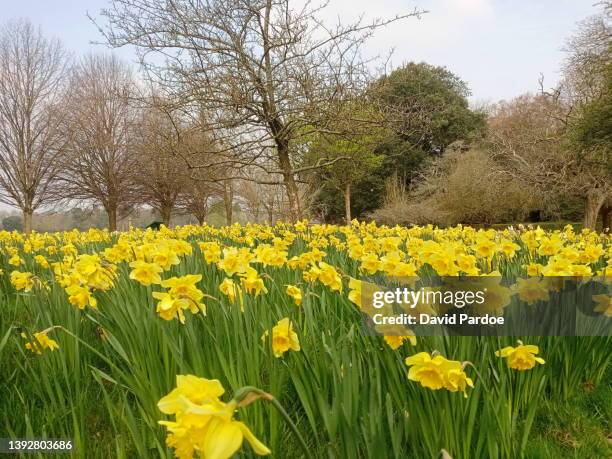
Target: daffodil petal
222, 439
259, 448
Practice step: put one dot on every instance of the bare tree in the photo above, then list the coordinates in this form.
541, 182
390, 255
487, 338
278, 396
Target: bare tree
101, 164
162, 176
252, 197
32, 82
266, 73
588, 53
587, 85
527, 138
210, 172
197, 199
228, 200
535, 138
264, 202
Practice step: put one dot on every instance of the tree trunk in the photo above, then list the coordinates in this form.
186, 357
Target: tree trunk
293, 196
291, 187
228, 200
347, 203
166, 215
606, 216
111, 211
271, 214
27, 220
594, 201
275, 122
200, 218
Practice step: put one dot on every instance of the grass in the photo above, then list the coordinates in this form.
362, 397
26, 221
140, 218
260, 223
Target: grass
578, 428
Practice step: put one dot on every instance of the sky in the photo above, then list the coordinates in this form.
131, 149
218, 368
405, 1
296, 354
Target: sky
499, 47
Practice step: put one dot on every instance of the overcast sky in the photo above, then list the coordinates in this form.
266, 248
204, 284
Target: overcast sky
499, 47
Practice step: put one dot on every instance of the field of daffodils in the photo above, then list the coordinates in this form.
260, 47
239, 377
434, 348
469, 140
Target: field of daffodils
207, 342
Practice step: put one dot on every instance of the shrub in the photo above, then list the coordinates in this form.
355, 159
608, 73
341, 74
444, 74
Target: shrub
459, 187
12, 223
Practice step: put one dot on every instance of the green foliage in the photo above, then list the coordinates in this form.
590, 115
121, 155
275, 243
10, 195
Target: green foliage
427, 106
592, 129
402, 158
351, 156
361, 160
423, 109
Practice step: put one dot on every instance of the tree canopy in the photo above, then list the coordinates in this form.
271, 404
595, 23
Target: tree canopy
422, 109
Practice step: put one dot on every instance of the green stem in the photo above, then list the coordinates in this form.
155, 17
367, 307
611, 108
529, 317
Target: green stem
241, 396
294, 428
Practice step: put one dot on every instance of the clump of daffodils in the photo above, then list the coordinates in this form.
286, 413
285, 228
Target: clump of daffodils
326, 274
82, 275
436, 372
203, 424
23, 281
181, 294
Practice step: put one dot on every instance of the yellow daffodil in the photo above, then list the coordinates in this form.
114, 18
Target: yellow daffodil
438, 372
42, 341
41, 261
80, 296
164, 256
211, 251
395, 341
531, 290
427, 370
185, 287
284, 338
229, 288
15, 260
329, 276
603, 304
252, 283
203, 423
523, 357
295, 293
145, 273
170, 307
234, 261
370, 263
